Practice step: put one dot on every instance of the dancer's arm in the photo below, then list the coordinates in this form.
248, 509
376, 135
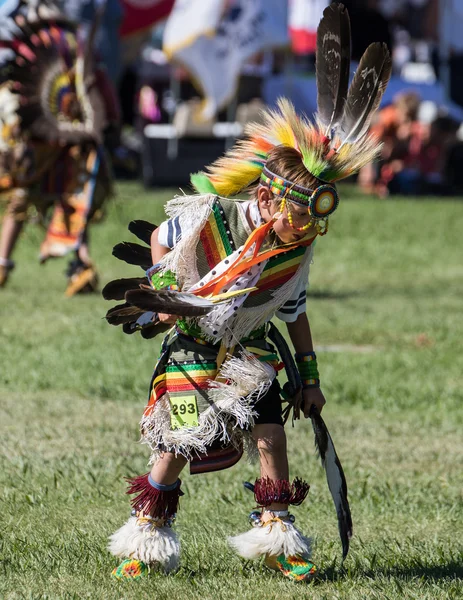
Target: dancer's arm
157, 252
301, 337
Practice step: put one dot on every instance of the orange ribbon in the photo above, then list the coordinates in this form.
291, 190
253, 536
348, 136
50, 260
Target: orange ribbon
240, 264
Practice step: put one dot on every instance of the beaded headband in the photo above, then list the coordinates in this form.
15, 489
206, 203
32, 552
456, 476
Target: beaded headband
320, 202
285, 188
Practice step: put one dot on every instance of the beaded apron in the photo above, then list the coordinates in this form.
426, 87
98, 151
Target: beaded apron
181, 382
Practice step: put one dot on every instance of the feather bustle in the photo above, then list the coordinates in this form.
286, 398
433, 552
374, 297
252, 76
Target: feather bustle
46, 56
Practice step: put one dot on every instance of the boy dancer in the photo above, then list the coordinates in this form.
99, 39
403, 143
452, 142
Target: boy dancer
222, 269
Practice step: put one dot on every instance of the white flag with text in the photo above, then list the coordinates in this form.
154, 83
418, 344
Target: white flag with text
248, 27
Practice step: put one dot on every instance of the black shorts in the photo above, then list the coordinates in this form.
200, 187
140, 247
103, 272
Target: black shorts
269, 407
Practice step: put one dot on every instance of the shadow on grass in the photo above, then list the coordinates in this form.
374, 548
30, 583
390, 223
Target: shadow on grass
331, 295
451, 570
371, 292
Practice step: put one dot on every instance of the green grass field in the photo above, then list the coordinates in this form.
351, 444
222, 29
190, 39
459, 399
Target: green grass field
386, 309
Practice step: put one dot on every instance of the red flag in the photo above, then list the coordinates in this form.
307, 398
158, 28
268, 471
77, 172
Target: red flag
304, 17
142, 14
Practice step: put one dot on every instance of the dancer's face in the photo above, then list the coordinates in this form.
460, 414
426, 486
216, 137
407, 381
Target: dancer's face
287, 233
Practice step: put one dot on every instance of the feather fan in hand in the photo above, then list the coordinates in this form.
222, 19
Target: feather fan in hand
168, 301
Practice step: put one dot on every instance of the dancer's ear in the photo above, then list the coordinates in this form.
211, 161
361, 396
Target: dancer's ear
267, 205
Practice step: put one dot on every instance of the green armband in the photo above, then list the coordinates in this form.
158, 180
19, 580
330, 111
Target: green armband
306, 363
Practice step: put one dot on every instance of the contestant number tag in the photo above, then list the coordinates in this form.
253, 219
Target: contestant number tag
183, 412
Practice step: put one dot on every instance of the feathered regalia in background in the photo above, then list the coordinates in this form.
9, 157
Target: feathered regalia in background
226, 282
54, 106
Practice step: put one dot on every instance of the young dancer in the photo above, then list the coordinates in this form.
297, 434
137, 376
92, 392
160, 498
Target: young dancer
55, 103
222, 269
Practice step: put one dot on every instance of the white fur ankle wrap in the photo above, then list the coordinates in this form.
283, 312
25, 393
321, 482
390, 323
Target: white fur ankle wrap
152, 545
273, 539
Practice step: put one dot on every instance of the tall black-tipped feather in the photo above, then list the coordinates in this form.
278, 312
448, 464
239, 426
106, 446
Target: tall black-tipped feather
365, 92
335, 478
142, 229
115, 290
123, 313
167, 301
333, 64
134, 254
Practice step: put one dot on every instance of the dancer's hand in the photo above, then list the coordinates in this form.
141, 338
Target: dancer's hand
166, 318
312, 396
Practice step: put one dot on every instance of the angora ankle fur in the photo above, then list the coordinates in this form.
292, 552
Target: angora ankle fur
273, 539
152, 545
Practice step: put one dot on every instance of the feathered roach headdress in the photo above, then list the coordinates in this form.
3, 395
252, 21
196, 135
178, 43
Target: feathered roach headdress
334, 146
50, 72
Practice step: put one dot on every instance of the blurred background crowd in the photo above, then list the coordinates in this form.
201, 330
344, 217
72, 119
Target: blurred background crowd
189, 74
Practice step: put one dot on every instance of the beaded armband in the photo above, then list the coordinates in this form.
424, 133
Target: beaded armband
161, 281
306, 363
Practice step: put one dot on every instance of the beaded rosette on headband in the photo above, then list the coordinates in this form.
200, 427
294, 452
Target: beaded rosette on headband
320, 202
332, 147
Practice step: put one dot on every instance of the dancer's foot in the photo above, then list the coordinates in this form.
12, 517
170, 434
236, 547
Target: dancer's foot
83, 278
294, 567
6, 266
130, 568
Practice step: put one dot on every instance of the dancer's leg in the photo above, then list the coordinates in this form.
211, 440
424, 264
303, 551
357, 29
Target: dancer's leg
12, 225
11, 228
147, 540
168, 468
273, 534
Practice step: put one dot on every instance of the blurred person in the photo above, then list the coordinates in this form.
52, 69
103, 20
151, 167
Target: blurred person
453, 173
428, 155
451, 41
221, 269
107, 39
416, 14
393, 126
51, 152
419, 166
368, 26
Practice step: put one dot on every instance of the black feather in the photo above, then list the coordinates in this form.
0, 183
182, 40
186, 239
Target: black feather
294, 379
333, 64
115, 290
123, 313
142, 229
130, 328
134, 254
335, 478
148, 324
168, 301
365, 92
153, 330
